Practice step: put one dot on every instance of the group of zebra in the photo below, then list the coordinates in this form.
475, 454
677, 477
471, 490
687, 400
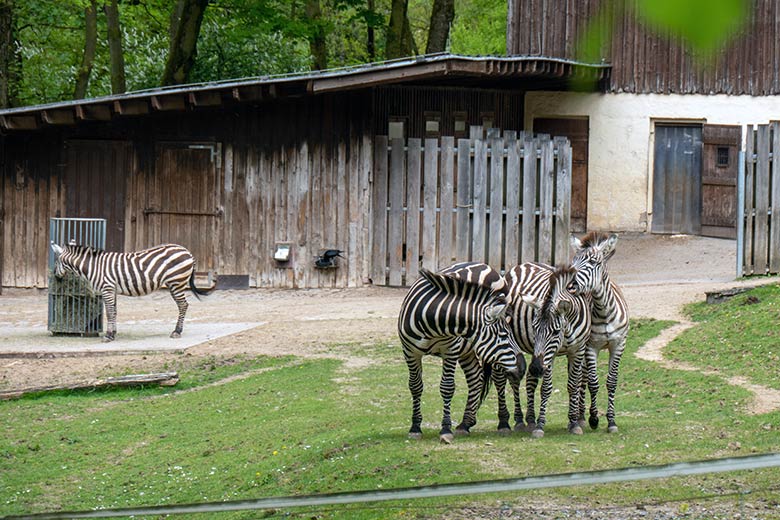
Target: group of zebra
469, 314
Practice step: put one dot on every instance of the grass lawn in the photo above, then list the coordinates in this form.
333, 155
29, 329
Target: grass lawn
296, 426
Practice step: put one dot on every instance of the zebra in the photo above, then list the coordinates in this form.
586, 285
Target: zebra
132, 274
610, 320
460, 322
483, 274
548, 319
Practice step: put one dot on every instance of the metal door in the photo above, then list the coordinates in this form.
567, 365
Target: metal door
677, 179
721, 145
186, 206
576, 130
96, 176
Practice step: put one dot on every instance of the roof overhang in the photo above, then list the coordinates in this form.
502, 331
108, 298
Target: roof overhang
515, 72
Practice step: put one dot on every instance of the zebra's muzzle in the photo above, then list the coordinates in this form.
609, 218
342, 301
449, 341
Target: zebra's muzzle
537, 367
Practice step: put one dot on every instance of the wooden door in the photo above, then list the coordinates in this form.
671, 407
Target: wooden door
576, 130
96, 175
720, 163
677, 179
186, 209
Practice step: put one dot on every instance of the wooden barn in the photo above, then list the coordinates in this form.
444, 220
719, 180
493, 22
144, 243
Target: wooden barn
655, 150
260, 176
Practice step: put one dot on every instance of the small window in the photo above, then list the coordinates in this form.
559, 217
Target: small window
460, 124
488, 121
723, 156
432, 124
396, 128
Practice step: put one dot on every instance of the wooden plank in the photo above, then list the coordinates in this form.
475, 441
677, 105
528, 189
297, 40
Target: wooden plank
530, 173
342, 204
774, 226
562, 200
430, 192
546, 202
366, 149
397, 180
495, 237
762, 200
379, 212
446, 176
750, 163
479, 201
464, 198
162, 379
513, 190
413, 187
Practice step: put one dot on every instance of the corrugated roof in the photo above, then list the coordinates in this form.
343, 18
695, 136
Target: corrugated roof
436, 67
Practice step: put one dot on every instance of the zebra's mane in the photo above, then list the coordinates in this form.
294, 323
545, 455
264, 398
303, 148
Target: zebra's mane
561, 272
593, 238
448, 283
78, 249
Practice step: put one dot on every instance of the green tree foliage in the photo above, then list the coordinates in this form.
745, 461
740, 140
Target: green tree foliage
479, 28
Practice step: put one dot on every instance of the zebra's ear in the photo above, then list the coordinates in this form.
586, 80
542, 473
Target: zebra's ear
495, 312
533, 301
608, 248
56, 249
576, 243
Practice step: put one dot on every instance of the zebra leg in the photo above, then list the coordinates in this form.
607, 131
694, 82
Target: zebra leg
499, 380
473, 374
531, 382
519, 424
573, 386
414, 363
591, 373
181, 302
612, 380
538, 429
109, 300
447, 390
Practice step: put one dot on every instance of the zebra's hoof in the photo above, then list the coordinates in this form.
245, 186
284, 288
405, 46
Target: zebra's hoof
505, 431
612, 428
537, 434
519, 427
446, 438
581, 423
108, 339
175, 334
530, 427
415, 435
462, 431
594, 422
575, 429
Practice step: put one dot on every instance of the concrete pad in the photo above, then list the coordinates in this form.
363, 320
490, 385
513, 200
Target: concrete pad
132, 338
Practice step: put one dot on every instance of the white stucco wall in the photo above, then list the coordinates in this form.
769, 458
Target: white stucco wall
621, 142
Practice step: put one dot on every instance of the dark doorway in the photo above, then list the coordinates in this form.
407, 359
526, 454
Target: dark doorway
677, 206
576, 130
96, 176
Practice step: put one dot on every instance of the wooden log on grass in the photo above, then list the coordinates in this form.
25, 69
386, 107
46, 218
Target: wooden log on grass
162, 379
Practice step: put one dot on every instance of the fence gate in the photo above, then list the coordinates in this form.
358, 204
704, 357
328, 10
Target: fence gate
501, 200
73, 308
758, 233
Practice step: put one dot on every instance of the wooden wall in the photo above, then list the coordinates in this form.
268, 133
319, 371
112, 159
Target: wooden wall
644, 60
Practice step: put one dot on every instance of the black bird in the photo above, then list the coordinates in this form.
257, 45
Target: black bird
328, 258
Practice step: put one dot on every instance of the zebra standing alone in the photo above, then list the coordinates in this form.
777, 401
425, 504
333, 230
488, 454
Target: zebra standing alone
610, 320
460, 322
132, 274
548, 319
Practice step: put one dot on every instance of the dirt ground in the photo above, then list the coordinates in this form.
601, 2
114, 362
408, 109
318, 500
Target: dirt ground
658, 274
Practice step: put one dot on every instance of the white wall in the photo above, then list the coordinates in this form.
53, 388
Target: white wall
621, 141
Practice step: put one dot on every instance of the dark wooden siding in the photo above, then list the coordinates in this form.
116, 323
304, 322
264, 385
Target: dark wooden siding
644, 61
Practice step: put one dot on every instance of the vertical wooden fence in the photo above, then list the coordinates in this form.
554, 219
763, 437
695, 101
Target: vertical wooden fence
502, 200
759, 242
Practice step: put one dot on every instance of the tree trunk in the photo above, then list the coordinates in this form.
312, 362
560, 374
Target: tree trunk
90, 43
409, 45
9, 56
317, 43
395, 29
370, 36
439, 29
185, 30
116, 55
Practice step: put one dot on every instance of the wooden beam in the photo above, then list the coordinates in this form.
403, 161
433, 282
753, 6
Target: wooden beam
162, 379
19, 122
131, 107
205, 99
249, 93
169, 102
59, 117
93, 112
392, 75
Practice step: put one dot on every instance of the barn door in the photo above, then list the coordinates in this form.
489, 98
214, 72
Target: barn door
576, 130
187, 209
96, 174
677, 179
719, 180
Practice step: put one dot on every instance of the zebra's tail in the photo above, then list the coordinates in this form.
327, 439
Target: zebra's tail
195, 290
487, 372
